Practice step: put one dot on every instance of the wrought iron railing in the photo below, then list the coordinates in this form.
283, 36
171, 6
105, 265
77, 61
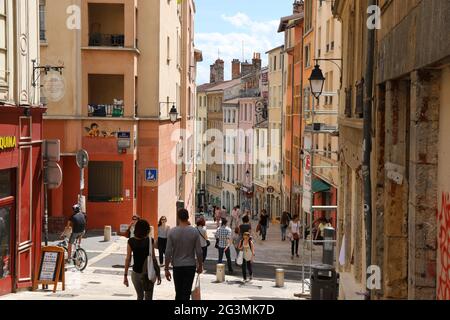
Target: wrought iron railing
106, 110
106, 40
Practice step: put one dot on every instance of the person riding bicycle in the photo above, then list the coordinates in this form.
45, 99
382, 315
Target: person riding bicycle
78, 223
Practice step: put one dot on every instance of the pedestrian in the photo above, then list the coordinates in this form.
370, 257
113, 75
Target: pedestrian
236, 239
245, 226
163, 231
223, 239
263, 222
224, 213
284, 224
294, 235
210, 210
130, 231
248, 253
184, 252
323, 223
203, 233
139, 248
235, 217
217, 215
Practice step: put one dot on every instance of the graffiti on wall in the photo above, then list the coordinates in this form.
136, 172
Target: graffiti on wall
444, 248
94, 131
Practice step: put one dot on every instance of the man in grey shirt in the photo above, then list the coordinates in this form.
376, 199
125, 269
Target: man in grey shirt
185, 253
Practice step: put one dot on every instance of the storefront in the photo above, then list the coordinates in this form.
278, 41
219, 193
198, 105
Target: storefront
21, 192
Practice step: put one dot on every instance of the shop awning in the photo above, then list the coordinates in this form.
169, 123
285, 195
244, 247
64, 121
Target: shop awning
320, 186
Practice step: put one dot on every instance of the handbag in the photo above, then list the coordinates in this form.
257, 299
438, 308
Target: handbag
196, 294
208, 243
150, 266
240, 258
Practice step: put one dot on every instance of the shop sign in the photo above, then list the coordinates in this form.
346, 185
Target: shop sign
270, 190
7, 143
151, 175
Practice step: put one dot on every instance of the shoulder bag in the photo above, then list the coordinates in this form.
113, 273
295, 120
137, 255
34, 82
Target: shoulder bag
208, 243
150, 266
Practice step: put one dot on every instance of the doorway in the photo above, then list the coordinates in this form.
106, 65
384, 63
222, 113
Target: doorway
7, 234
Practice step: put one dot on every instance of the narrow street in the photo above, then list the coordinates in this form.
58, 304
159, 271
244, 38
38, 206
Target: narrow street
102, 280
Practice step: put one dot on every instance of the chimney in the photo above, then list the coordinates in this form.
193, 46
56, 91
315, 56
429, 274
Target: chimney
235, 69
257, 61
298, 6
217, 71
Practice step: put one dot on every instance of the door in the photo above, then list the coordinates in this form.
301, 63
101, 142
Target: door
7, 235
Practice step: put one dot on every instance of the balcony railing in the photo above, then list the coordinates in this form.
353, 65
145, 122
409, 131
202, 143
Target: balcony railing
250, 93
106, 110
106, 40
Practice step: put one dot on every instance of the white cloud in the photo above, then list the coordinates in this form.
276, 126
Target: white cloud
257, 36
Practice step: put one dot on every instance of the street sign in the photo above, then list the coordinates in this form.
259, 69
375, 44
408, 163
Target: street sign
82, 159
124, 135
53, 175
151, 175
51, 150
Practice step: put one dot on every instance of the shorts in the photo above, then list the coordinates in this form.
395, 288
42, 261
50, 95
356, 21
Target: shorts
75, 236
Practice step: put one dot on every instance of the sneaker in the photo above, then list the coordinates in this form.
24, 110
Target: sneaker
298, 256
292, 257
251, 278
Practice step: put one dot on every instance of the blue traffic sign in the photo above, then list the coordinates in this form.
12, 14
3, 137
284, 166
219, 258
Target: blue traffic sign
151, 175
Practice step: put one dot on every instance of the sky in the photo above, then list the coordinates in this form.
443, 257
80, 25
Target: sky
222, 25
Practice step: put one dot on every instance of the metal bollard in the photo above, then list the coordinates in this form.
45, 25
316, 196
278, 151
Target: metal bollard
279, 278
107, 233
220, 273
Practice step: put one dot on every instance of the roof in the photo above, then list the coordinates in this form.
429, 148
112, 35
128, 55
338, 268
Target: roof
290, 21
232, 101
224, 85
274, 49
205, 86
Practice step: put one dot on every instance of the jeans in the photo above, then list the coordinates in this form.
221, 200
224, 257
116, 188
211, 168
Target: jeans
283, 232
228, 255
247, 265
162, 244
294, 246
205, 253
263, 232
143, 286
183, 278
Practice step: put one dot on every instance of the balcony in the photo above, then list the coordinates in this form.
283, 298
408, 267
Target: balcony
106, 40
106, 96
106, 23
250, 93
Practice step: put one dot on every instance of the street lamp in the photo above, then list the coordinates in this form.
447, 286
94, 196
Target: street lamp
173, 114
317, 80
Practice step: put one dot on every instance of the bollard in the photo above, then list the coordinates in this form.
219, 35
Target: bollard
220, 273
107, 233
279, 278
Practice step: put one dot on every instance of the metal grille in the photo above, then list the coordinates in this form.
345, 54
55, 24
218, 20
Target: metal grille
359, 111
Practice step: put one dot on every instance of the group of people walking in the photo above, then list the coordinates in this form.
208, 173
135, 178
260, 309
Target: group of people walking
180, 246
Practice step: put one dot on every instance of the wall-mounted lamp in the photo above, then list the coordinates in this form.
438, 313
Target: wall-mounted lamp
173, 114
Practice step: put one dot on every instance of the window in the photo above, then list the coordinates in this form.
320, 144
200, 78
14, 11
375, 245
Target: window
42, 31
3, 51
308, 15
5, 184
168, 50
275, 63
105, 181
307, 56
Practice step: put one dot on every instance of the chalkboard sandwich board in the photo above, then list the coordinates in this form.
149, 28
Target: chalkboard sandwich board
51, 268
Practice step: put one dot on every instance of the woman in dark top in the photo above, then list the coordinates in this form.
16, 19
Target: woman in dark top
139, 248
245, 227
263, 222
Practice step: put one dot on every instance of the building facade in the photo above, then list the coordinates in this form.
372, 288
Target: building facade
21, 167
409, 238
118, 93
274, 149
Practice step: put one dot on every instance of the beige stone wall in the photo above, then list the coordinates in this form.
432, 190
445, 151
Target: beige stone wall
443, 266
19, 40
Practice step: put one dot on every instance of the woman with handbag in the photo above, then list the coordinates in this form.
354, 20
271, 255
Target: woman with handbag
246, 255
294, 235
203, 234
163, 232
141, 249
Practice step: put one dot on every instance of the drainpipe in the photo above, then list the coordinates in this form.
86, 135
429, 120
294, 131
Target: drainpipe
292, 126
367, 145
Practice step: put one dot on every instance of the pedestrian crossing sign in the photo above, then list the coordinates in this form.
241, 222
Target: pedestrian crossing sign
151, 175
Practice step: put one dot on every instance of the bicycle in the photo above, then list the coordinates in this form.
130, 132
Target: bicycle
79, 258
